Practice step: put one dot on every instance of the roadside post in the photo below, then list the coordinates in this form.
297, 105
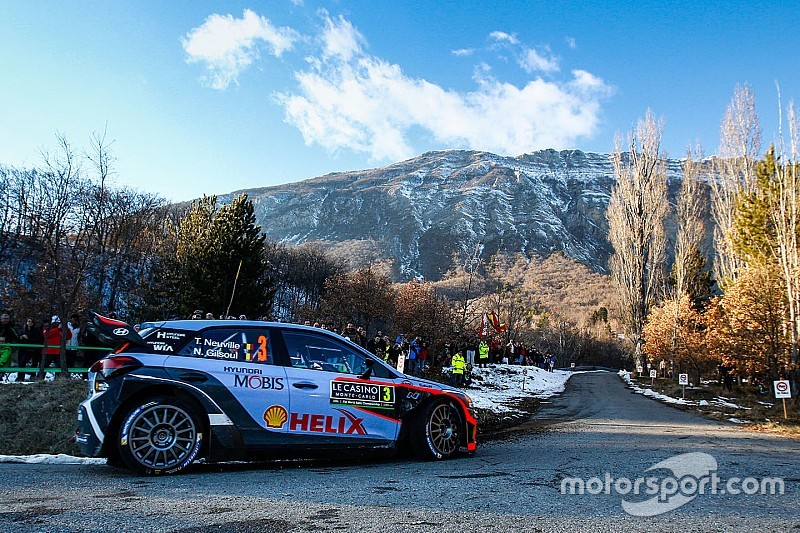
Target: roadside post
653, 374
639, 371
524, 377
572, 366
401, 362
782, 391
683, 379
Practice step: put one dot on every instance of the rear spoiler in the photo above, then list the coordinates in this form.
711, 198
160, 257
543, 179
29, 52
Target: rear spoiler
113, 332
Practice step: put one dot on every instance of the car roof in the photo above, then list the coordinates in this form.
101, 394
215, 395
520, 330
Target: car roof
196, 325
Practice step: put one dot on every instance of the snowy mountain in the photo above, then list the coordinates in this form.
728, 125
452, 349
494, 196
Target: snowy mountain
422, 211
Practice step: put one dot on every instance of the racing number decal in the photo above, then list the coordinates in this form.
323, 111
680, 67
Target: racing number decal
262, 349
387, 394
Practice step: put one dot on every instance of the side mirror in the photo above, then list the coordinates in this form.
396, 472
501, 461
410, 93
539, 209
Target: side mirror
368, 372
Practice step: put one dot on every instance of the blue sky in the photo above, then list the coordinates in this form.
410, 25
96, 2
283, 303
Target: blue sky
210, 97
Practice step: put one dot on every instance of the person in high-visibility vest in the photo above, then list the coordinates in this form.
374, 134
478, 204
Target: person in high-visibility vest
483, 354
458, 365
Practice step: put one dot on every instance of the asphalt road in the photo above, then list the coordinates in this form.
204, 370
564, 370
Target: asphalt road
596, 429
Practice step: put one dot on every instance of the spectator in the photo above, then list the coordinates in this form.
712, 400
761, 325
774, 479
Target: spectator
30, 334
458, 364
470, 359
413, 355
422, 358
351, 333
52, 338
362, 336
197, 315
483, 354
74, 326
8, 336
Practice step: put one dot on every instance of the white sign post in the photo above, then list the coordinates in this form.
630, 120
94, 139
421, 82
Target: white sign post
683, 379
572, 366
639, 370
524, 377
401, 362
783, 391
653, 374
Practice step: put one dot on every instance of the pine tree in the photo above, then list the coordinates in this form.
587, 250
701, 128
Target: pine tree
216, 244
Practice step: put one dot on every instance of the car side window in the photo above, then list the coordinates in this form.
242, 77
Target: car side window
316, 352
244, 345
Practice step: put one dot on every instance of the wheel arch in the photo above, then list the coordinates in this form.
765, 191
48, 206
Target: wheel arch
142, 395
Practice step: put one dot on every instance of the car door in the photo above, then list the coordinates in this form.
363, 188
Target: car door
328, 397
241, 359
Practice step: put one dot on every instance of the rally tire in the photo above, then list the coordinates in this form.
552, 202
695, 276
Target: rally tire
160, 436
436, 431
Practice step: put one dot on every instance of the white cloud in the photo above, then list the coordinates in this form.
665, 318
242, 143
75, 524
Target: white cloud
571, 42
341, 39
352, 100
501, 36
533, 61
228, 45
463, 52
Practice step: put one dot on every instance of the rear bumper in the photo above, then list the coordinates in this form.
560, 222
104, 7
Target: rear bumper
90, 434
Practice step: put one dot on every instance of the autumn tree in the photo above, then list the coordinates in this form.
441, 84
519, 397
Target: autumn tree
746, 325
636, 213
675, 332
766, 232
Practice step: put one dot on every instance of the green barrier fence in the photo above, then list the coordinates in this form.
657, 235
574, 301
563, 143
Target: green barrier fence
41, 346
33, 370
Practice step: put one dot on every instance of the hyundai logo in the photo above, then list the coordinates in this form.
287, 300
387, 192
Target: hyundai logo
120, 331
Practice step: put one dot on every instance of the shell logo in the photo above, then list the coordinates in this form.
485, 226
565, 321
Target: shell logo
275, 416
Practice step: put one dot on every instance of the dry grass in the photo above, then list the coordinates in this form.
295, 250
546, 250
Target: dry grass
40, 417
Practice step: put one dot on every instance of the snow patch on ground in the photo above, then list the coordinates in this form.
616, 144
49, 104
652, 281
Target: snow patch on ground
498, 387
626, 377
719, 401
49, 459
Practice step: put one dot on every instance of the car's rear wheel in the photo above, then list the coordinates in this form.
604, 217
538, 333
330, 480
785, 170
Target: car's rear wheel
436, 431
160, 436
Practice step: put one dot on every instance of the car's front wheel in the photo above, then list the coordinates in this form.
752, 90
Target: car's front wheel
160, 436
436, 431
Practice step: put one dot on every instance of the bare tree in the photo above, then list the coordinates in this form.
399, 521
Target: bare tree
636, 213
740, 146
691, 212
65, 229
786, 220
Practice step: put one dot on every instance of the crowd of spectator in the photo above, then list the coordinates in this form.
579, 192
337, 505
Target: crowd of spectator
43, 340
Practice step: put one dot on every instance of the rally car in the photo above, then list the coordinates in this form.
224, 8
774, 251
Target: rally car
188, 390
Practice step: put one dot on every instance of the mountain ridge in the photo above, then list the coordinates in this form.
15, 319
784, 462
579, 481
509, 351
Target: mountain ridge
421, 212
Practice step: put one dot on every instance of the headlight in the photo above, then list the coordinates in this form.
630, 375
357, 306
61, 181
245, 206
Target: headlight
466, 399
